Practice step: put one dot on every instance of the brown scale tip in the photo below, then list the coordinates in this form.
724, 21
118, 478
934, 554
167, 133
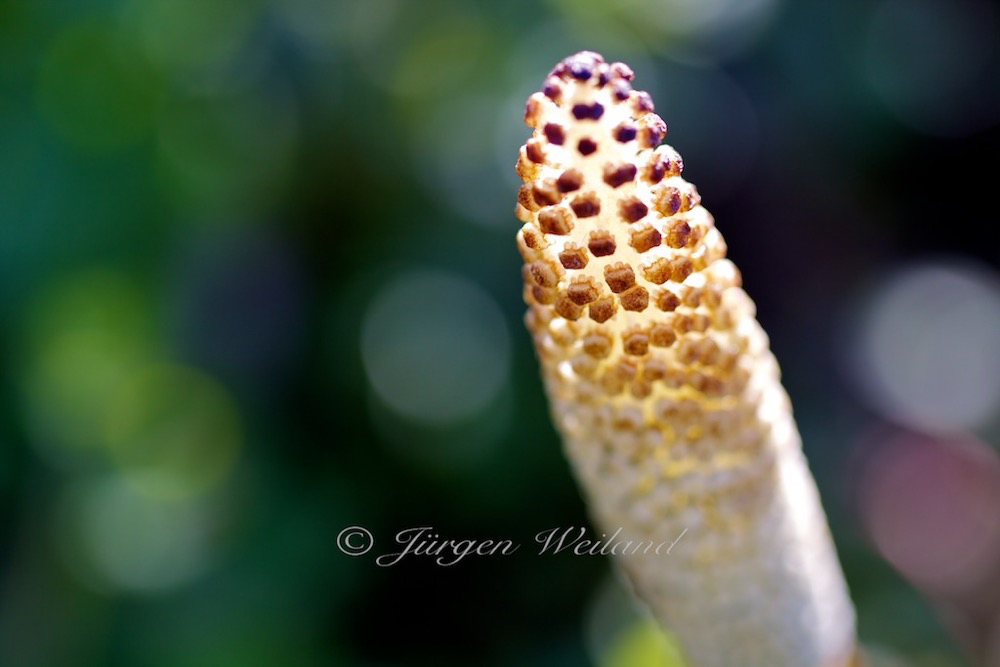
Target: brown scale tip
573, 258
636, 298
642, 102
569, 181
619, 174
588, 111
565, 307
534, 151
597, 345
667, 301
631, 209
555, 220
554, 133
619, 277
601, 243
644, 238
602, 310
663, 163
622, 71
586, 205
580, 66
552, 89
625, 132
622, 90
653, 131
635, 343
545, 192
583, 291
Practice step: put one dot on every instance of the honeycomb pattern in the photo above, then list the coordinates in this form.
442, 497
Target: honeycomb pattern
663, 386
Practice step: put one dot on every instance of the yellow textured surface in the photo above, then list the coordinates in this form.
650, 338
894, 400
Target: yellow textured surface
663, 386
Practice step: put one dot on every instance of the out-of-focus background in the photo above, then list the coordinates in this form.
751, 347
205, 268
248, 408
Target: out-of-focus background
258, 283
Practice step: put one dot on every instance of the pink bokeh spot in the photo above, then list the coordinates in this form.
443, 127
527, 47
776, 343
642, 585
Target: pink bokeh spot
932, 508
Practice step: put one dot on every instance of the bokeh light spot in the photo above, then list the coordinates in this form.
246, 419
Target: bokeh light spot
85, 334
319, 24
440, 58
702, 18
932, 508
435, 346
173, 431
453, 157
190, 37
621, 633
445, 449
214, 155
925, 352
95, 89
371, 23
642, 643
115, 538
707, 30
425, 56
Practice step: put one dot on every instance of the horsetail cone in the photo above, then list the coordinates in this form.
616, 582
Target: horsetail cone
663, 387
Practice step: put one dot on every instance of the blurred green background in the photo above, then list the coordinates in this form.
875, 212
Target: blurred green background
258, 283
